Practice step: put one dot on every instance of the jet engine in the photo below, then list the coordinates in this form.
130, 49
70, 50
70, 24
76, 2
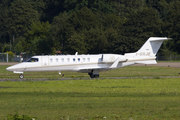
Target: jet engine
110, 58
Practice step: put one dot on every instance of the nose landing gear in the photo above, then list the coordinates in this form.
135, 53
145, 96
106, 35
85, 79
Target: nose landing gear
21, 76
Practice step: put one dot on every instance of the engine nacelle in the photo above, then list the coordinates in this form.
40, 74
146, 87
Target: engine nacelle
110, 58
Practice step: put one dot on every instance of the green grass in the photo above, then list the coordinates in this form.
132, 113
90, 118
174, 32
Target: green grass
135, 99
130, 71
111, 99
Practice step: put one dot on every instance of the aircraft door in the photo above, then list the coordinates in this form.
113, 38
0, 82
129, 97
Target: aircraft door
45, 60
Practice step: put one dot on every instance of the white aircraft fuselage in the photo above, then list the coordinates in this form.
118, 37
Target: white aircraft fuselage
91, 64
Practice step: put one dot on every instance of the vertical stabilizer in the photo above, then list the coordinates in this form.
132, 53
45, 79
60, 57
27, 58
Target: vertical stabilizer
151, 46
147, 53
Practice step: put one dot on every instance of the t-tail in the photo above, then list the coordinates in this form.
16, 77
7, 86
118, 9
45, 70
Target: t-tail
147, 53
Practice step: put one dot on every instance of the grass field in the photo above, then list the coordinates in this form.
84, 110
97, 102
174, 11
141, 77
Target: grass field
87, 99
111, 99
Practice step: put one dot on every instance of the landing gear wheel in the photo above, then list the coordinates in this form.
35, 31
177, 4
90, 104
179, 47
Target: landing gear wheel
96, 76
21, 76
92, 76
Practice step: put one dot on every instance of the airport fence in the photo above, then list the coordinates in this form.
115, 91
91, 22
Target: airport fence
168, 58
4, 57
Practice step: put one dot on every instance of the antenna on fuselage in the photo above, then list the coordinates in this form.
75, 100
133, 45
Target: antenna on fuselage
76, 53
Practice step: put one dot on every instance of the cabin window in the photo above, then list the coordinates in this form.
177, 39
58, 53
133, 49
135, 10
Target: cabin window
51, 60
62, 59
56, 59
74, 59
78, 59
68, 60
84, 59
33, 60
88, 59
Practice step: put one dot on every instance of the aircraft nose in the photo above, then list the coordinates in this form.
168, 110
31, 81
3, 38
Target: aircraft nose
9, 68
17, 67
14, 67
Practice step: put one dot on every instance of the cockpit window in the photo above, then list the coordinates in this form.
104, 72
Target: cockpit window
33, 60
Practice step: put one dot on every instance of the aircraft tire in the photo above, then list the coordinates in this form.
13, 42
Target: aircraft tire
92, 76
21, 76
96, 76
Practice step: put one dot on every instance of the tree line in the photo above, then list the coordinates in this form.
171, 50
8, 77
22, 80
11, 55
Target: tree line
87, 26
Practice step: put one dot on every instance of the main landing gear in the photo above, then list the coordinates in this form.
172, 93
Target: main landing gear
21, 76
93, 74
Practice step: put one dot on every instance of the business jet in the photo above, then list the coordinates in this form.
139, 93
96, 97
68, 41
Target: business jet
91, 64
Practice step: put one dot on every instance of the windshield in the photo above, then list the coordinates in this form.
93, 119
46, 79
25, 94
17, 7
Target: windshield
33, 60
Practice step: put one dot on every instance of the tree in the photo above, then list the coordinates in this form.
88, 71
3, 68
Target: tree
127, 7
87, 26
75, 5
77, 43
37, 39
4, 18
138, 28
96, 41
40, 7
103, 6
52, 9
60, 31
112, 36
112, 25
66, 27
22, 16
171, 26
83, 19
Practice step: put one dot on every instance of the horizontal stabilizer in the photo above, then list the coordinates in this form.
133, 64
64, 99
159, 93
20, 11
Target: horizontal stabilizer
120, 59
